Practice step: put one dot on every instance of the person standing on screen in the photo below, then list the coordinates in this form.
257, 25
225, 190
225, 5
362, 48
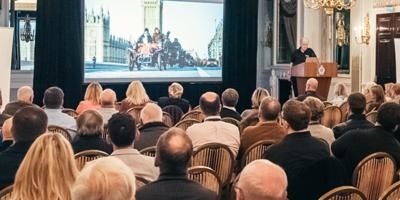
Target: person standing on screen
299, 56
145, 38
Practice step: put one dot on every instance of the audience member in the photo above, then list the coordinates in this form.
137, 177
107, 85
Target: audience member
316, 129
395, 93
310, 90
152, 128
230, 98
48, 170
91, 99
213, 130
367, 87
175, 91
261, 180
122, 132
53, 101
90, 128
298, 150
24, 98
340, 95
376, 97
388, 91
267, 129
174, 152
258, 95
376, 139
28, 124
108, 98
135, 96
105, 179
357, 119
7, 139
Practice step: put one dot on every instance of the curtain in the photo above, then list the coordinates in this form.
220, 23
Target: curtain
59, 49
289, 10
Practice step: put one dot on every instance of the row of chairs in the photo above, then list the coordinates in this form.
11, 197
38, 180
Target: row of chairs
334, 115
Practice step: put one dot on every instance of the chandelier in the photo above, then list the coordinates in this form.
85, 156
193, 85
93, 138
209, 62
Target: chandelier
329, 5
28, 34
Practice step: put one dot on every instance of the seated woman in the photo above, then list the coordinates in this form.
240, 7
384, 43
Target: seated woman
48, 170
91, 99
340, 95
375, 98
135, 96
90, 128
250, 116
175, 91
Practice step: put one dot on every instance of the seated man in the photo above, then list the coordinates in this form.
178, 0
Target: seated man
261, 180
122, 132
53, 101
357, 119
230, 98
213, 130
152, 128
108, 98
311, 90
7, 139
174, 152
175, 92
267, 129
298, 150
28, 124
24, 98
356, 144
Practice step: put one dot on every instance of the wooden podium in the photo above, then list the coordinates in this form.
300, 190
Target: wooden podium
312, 68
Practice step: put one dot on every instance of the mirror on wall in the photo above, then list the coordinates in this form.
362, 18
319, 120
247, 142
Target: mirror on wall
342, 40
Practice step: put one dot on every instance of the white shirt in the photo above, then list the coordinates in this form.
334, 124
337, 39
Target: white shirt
58, 118
213, 130
106, 113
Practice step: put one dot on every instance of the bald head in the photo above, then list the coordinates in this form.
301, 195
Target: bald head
269, 109
304, 44
210, 103
25, 94
151, 113
262, 180
108, 97
174, 151
312, 84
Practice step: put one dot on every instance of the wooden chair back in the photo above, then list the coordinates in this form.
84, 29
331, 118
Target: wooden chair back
6, 193
217, 157
332, 116
196, 107
186, 123
60, 130
344, 193
149, 151
231, 121
344, 109
194, 114
255, 152
83, 157
167, 119
371, 116
140, 182
70, 112
374, 174
175, 112
392, 193
206, 177
135, 112
327, 103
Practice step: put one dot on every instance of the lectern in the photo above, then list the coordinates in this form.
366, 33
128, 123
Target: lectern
312, 68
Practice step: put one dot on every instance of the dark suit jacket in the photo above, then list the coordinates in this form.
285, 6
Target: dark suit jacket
181, 103
356, 121
174, 188
309, 94
10, 159
91, 142
226, 112
295, 154
149, 134
355, 145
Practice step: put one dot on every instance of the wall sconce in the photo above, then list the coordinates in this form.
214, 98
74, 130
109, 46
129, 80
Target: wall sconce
364, 32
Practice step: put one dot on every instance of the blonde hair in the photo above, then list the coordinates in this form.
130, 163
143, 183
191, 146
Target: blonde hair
258, 95
90, 122
316, 107
93, 92
105, 179
136, 94
48, 170
340, 90
175, 90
